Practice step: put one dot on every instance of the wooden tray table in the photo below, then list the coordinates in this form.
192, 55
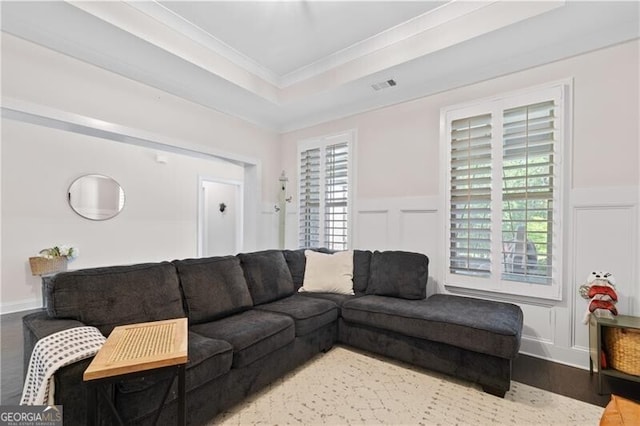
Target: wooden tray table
133, 350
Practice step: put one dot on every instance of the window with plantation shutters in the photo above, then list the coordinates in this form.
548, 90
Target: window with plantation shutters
503, 197
325, 192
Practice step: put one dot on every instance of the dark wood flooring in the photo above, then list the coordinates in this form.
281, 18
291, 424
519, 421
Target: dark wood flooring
11, 358
558, 378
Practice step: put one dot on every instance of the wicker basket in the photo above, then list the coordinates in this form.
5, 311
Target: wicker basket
44, 265
623, 349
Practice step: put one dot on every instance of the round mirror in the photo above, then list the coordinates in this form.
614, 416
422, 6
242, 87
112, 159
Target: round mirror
96, 197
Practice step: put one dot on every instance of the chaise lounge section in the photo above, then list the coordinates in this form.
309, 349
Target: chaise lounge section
255, 316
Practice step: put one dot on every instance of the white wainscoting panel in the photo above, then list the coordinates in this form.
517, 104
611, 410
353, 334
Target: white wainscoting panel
372, 230
604, 237
539, 323
267, 228
403, 223
417, 231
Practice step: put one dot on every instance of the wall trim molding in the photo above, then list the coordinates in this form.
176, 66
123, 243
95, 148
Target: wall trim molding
41, 115
20, 305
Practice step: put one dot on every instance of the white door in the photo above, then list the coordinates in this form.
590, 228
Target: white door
221, 218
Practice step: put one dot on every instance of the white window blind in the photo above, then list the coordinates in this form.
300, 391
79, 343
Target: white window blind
336, 196
503, 195
527, 192
324, 192
470, 202
309, 198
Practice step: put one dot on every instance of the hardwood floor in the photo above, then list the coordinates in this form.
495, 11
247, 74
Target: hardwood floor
11, 358
570, 381
561, 379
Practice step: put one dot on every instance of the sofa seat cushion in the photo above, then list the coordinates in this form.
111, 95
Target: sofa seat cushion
267, 275
308, 314
493, 328
338, 299
213, 287
116, 295
208, 359
253, 334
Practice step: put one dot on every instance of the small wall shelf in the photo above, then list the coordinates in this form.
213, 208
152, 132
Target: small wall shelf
596, 326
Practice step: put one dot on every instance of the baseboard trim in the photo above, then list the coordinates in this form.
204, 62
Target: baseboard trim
20, 305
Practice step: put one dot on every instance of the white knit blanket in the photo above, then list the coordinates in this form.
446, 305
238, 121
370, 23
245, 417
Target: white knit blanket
53, 352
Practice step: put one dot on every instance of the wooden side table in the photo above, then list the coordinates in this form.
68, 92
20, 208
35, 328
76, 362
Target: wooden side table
596, 325
133, 350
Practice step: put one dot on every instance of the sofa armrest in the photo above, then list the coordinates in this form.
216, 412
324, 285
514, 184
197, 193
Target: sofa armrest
37, 325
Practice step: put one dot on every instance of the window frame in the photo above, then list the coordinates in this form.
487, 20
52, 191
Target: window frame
560, 92
321, 143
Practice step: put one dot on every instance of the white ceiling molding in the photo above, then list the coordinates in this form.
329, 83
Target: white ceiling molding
420, 36
462, 25
174, 21
431, 19
28, 112
122, 15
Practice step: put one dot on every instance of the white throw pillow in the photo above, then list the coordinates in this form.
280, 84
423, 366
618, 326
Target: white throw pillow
328, 273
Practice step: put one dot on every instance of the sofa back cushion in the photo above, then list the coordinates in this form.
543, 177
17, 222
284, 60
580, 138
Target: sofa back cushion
116, 295
213, 287
398, 274
296, 261
267, 275
361, 267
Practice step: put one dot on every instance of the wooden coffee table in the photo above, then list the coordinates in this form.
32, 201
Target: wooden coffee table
133, 350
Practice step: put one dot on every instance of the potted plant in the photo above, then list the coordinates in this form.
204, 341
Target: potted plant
53, 259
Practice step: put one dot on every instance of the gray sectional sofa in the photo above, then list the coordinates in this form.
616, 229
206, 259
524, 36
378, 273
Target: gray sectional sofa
249, 324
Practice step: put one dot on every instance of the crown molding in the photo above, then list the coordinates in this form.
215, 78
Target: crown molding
403, 31
125, 16
177, 23
158, 25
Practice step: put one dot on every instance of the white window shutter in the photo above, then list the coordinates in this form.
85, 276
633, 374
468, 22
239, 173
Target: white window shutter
528, 192
336, 191
309, 232
470, 196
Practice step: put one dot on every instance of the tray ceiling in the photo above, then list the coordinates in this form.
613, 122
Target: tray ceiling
287, 65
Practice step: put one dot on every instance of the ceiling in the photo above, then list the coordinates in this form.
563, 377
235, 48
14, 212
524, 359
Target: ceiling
285, 65
285, 36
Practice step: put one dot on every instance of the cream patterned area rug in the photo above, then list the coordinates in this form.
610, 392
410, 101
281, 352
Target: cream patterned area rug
348, 387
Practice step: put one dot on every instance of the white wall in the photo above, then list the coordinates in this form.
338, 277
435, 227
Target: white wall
159, 220
398, 185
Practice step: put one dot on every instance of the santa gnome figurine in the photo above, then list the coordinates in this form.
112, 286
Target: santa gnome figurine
600, 290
